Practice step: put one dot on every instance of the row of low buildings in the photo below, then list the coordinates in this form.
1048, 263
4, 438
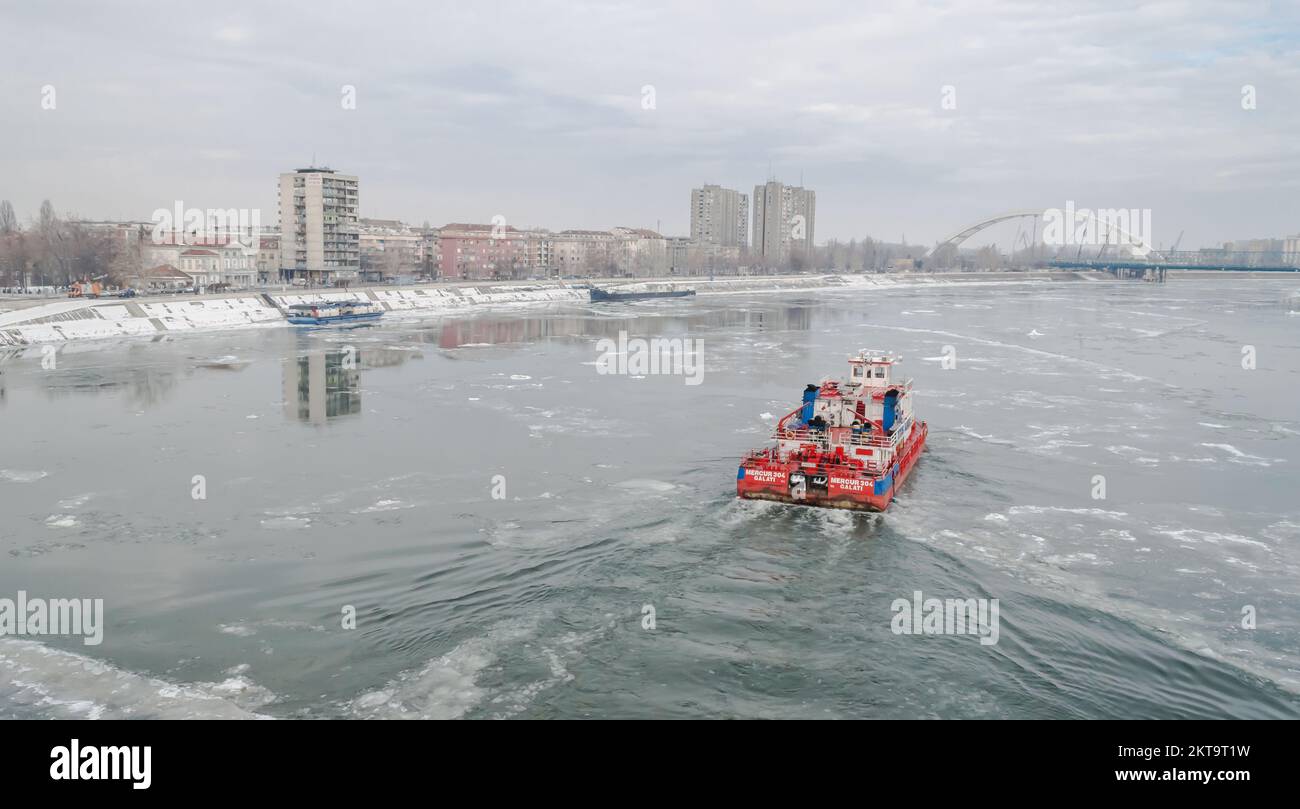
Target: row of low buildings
389, 251
1255, 252
322, 240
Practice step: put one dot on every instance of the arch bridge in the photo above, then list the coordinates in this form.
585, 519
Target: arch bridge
1103, 228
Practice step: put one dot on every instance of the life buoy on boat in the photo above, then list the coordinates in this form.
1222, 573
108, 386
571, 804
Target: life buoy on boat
788, 433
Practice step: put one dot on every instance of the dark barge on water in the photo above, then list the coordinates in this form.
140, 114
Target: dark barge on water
639, 292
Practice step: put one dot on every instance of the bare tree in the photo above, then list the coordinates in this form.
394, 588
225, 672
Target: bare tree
798, 259
12, 262
8, 221
70, 251
48, 218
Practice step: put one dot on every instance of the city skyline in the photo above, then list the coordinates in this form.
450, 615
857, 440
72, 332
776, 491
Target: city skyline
1026, 111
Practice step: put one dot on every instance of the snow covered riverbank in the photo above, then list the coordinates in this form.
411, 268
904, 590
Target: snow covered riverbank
85, 319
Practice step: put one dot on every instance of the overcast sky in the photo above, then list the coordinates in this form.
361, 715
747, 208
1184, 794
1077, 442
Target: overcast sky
534, 110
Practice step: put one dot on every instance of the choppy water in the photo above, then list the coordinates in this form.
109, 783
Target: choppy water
328, 487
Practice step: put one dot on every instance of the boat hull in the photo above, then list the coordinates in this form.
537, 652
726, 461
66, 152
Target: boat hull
599, 295
805, 484
336, 320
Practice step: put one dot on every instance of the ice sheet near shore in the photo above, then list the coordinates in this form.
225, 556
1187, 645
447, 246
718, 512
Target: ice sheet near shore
74, 320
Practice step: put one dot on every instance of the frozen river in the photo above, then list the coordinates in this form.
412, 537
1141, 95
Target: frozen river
502, 520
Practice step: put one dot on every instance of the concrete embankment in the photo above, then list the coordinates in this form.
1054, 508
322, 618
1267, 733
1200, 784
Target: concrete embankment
95, 319
82, 319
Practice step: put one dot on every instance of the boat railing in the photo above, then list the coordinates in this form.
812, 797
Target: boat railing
835, 436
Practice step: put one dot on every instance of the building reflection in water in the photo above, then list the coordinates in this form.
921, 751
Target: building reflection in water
325, 385
322, 386
517, 329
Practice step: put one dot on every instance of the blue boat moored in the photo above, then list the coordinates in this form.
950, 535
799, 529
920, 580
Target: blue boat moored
328, 313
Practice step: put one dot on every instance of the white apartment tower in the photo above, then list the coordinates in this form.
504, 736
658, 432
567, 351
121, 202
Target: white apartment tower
319, 237
719, 217
784, 220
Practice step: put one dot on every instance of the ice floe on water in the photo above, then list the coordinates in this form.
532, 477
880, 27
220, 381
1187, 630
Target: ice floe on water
1195, 535
447, 686
22, 475
383, 505
1081, 558
465, 681
1132, 453
1091, 512
239, 689
286, 522
49, 682
988, 439
1237, 456
646, 485
227, 363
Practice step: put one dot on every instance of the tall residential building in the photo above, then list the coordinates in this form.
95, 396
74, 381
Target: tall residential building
719, 216
784, 220
319, 237
1291, 250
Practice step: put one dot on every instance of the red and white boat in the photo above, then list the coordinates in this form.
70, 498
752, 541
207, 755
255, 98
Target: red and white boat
849, 445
